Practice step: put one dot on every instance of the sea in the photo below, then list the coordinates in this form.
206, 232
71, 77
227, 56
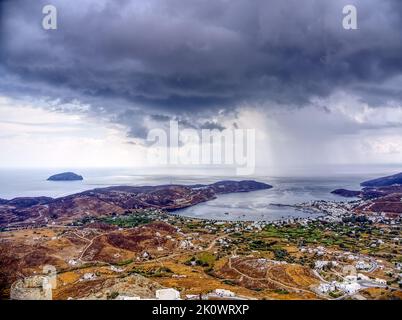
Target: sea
289, 188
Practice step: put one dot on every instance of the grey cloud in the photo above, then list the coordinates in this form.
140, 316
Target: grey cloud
190, 60
212, 125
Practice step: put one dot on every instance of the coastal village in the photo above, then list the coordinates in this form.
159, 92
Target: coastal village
150, 253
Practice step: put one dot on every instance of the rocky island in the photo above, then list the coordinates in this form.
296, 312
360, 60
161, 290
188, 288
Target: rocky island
66, 176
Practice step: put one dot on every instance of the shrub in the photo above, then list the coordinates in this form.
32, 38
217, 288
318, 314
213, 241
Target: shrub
113, 295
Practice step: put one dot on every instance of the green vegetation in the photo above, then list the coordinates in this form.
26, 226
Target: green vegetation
124, 262
281, 291
353, 237
113, 295
308, 234
357, 237
335, 295
130, 218
130, 221
204, 259
261, 245
153, 272
281, 254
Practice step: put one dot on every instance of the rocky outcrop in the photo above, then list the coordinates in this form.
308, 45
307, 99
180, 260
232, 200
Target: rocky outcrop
133, 285
31, 288
65, 176
346, 193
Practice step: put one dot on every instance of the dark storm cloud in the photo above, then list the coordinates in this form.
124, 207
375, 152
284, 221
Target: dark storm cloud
189, 59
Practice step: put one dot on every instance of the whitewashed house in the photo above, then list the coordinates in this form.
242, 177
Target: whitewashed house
89, 276
348, 287
124, 297
167, 294
327, 287
362, 265
380, 281
224, 293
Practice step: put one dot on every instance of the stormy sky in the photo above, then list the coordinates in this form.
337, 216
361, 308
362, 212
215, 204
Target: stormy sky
90, 91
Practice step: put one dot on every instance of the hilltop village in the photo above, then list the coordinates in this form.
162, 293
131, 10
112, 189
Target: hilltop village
346, 250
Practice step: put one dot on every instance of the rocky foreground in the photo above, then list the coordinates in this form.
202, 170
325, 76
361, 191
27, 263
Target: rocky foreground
42, 211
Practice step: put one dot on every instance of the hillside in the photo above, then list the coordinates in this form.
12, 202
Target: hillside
41, 211
395, 179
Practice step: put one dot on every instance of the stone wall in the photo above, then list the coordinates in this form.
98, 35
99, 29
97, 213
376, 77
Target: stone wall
31, 288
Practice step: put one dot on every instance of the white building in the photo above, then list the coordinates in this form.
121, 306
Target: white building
326, 287
72, 262
185, 244
348, 287
89, 276
116, 269
362, 265
319, 264
224, 293
167, 294
124, 297
380, 281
